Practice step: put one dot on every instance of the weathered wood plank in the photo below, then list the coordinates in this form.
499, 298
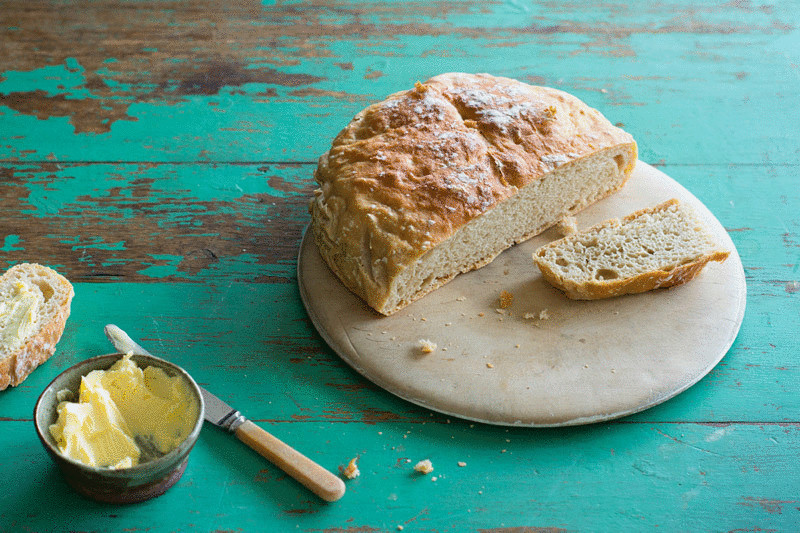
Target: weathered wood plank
168, 147
243, 222
231, 289
149, 222
248, 81
253, 344
610, 477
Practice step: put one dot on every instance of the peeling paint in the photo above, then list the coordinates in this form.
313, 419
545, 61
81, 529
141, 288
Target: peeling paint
771, 506
86, 115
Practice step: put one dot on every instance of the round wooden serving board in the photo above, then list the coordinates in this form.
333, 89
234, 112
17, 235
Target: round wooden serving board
587, 361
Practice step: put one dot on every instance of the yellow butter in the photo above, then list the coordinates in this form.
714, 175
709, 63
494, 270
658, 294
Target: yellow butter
18, 312
120, 406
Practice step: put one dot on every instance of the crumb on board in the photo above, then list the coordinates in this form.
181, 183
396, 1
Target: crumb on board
350, 471
424, 467
500, 311
461, 298
506, 299
544, 314
489, 365
567, 225
462, 463
426, 346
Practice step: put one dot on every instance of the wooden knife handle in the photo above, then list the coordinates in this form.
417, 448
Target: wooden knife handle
311, 475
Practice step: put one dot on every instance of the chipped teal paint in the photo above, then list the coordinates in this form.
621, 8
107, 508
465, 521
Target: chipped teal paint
242, 266
54, 79
10, 243
93, 243
573, 53
707, 88
71, 189
164, 265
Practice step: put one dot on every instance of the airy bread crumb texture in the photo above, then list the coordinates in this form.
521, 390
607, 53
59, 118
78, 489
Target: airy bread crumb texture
659, 247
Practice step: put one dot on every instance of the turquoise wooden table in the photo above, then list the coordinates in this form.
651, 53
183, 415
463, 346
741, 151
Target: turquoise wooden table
160, 155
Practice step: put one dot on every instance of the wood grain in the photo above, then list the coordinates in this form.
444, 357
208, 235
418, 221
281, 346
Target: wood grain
160, 154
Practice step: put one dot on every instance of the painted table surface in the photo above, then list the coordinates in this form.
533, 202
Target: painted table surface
160, 155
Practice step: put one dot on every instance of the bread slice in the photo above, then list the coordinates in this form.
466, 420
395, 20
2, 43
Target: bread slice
659, 247
34, 306
439, 179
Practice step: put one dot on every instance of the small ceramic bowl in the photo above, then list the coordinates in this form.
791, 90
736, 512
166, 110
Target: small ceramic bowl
125, 485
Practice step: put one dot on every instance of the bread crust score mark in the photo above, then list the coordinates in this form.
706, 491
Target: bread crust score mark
439, 179
669, 247
18, 363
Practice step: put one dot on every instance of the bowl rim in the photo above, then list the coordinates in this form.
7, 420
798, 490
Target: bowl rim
167, 458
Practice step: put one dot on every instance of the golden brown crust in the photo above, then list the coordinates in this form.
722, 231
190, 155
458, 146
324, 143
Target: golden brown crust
18, 365
409, 171
660, 279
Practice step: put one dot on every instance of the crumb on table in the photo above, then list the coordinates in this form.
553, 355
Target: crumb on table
351, 471
424, 467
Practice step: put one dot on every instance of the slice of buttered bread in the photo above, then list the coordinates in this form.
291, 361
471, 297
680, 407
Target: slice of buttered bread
652, 248
34, 306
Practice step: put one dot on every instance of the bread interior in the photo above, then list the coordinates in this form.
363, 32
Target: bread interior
563, 191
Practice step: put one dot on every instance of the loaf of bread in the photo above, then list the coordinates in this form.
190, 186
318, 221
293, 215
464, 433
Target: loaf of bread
439, 179
34, 306
659, 247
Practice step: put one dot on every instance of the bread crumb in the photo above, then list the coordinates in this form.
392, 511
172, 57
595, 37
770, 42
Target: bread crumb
500, 311
426, 346
434, 478
399, 528
489, 365
544, 314
424, 467
480, 314
462, 463
461, 298
350, 471
567, 226
506, 299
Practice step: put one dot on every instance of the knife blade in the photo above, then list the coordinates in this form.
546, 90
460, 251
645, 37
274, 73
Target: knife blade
308, 473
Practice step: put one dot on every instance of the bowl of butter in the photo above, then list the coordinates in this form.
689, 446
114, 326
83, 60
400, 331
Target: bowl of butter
120, 426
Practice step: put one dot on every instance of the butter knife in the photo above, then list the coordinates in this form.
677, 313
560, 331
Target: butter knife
311, 475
